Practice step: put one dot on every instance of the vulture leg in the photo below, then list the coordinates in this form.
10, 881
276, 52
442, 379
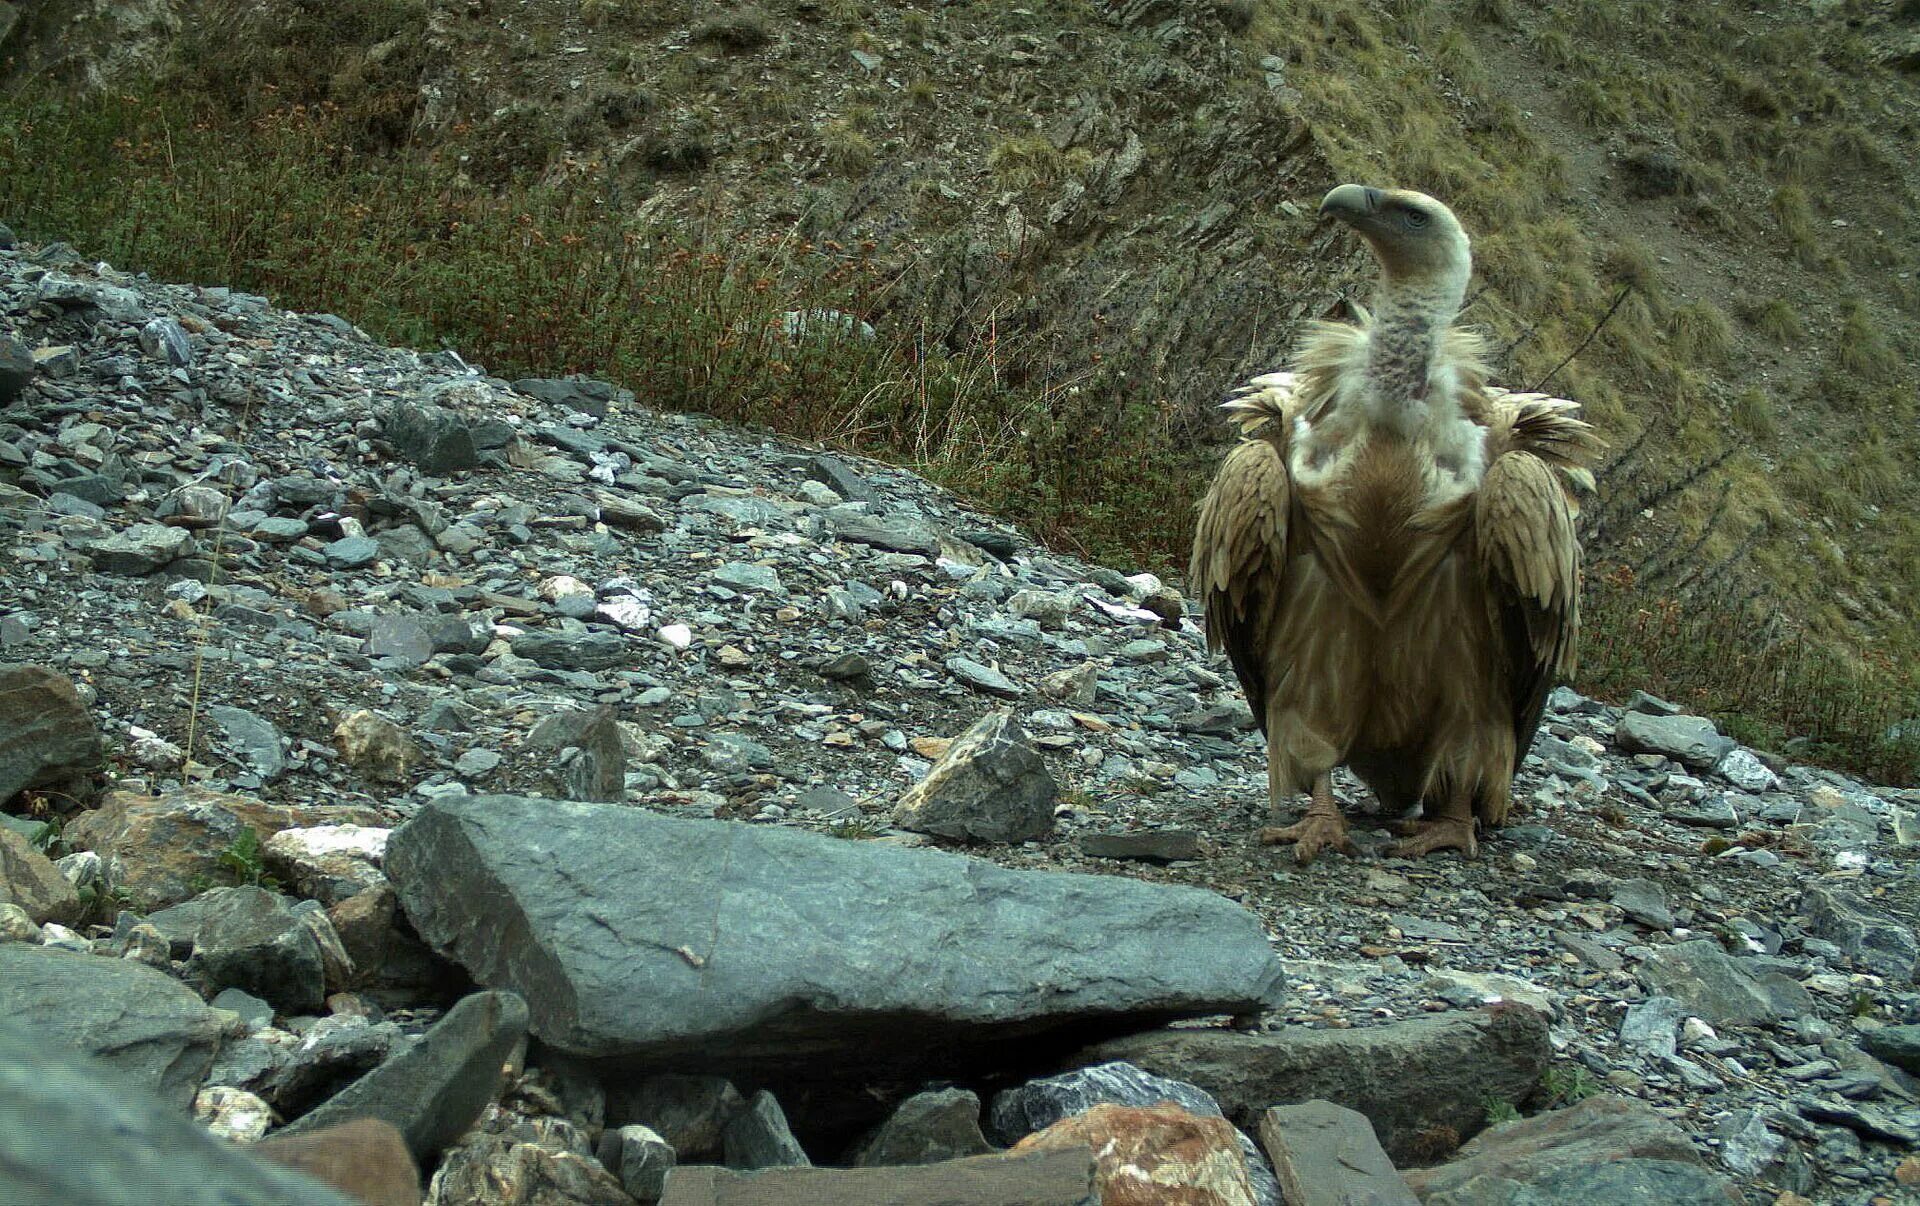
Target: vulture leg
1452, 829
1323, 826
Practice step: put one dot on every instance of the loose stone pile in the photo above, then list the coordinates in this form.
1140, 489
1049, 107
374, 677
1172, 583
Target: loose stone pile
362, 715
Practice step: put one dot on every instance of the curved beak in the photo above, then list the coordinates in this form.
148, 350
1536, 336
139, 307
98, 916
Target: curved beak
1350, 202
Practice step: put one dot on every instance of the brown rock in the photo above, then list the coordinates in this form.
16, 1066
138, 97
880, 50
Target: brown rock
1423, 1084
375, 747
365, 926
365, 1158
29, 879
158, 847
1037, 1178
1154, 1155
1326, 1155
46, 733
1596, 1131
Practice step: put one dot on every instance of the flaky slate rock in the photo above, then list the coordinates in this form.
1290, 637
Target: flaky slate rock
251, 939
1666, 1182
1874, 941
1690, 739
989, 786
433, 1090
635, 936
1415, 1081
140, 550
46, 733
151, 1029
1897, 1045
1709, 984
75, 1132
1597, 1131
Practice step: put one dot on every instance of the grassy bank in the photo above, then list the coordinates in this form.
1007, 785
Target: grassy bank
284, 200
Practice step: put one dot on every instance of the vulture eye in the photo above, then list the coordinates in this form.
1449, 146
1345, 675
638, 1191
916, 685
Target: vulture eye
1417, 218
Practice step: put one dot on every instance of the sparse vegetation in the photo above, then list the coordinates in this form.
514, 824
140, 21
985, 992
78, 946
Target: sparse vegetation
1743, 148
848, 152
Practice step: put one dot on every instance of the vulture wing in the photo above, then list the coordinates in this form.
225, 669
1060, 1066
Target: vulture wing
1523, 522
1240, 543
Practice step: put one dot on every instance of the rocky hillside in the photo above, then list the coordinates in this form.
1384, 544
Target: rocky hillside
1698, 224
364, 713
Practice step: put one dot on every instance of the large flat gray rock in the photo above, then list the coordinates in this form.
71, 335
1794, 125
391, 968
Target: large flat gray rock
638, 937
73, 1133
149, 1028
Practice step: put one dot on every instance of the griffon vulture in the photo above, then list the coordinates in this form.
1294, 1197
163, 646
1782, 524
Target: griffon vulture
1388, 556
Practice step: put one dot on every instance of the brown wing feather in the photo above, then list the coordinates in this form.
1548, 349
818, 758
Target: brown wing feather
1524, 529
1240, 553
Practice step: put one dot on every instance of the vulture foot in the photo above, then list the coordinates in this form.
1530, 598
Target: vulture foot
1443, 834
1312, 834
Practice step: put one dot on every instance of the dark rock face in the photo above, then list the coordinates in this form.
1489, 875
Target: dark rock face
435, 439
433, 1090
689, 1112
927, 1128
55, 1108
147, 1027
637, 936
1418, 1082
1049, 1178
45, 731
251, 939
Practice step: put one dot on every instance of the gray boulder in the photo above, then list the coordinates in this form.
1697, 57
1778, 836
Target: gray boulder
433, 1090
1690, 739
1411, 1079
639, 938
943, 1124
152, 1030
251, 939
1711, 985
1876, 943
74, 1132
46, 733
990, 786
437, 440
1533, 1155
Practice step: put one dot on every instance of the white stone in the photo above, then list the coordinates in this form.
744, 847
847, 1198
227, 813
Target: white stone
232, 1114
679, 636
318, 842
1745, 771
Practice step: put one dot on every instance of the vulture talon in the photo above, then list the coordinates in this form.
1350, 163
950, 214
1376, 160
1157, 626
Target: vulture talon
1429, 836
1311, 835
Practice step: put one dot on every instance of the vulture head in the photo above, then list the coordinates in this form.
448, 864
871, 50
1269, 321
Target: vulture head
1418, 241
